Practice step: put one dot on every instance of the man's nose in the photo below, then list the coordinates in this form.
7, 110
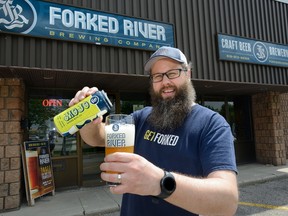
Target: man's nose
165, 79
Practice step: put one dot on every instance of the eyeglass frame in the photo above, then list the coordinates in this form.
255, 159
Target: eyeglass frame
166, 74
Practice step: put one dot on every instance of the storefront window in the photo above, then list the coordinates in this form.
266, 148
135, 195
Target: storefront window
41, 125
93, 156
224, 108
237, 112
87, 149
217, 106
131, 102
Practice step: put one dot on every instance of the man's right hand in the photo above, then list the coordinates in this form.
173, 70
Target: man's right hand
92, 133
81, 94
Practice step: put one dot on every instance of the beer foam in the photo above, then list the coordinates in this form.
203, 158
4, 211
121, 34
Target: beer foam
125, 131
31, 153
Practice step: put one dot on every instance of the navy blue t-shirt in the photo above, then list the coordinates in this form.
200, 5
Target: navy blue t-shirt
203, 144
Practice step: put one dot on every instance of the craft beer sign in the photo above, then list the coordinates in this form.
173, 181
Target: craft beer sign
233, 48
46, 19
37, 169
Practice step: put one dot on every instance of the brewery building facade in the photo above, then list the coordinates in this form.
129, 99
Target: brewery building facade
49, 49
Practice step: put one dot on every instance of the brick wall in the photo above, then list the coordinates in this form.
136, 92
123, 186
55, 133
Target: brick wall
269, 128
12, 106
284, 110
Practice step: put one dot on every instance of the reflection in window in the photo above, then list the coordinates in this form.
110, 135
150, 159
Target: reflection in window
217, 106
224, 108
130, 102
41, 125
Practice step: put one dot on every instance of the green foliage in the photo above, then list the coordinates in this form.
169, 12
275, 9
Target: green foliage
39, 114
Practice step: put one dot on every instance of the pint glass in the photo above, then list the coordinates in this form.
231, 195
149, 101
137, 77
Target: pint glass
120, 134
33, 174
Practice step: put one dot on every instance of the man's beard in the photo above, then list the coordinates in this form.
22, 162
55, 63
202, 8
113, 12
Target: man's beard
168, 114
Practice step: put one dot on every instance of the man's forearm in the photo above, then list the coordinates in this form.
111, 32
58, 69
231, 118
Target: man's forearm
209, 196
93, 134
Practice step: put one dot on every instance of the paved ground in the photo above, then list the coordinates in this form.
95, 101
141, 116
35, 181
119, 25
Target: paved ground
99, 201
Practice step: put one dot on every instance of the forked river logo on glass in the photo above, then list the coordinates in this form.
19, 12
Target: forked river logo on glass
18, 16
115, 127
116, 139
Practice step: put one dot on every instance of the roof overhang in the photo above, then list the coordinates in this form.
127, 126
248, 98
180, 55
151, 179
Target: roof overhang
63, 79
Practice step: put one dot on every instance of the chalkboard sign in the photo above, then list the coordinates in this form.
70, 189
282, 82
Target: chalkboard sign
38, 171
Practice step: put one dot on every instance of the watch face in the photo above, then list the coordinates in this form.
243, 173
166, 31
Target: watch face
169, 184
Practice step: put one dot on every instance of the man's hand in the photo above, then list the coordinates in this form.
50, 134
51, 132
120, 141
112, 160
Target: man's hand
138, 176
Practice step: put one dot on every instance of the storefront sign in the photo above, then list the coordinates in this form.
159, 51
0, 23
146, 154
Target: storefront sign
233, 48
38, 171
46, 19
283, 1
52, 103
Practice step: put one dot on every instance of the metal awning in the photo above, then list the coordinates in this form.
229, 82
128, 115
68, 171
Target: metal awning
74, 80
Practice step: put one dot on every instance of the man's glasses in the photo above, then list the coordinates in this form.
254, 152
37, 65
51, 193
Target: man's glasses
170, 74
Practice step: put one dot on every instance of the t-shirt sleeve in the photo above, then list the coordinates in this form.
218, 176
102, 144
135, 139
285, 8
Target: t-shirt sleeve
217, 146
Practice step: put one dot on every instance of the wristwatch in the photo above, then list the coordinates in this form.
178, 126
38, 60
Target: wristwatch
167, 185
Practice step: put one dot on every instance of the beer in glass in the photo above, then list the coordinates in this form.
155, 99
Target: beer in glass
33, 173
120, 134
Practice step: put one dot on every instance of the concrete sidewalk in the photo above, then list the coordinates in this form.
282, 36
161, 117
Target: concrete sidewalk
99, 200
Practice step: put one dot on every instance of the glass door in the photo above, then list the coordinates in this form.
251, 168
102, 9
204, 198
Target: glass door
42, 107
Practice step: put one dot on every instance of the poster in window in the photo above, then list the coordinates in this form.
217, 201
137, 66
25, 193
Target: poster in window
38, 171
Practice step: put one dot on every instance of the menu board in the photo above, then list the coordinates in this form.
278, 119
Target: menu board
38, 171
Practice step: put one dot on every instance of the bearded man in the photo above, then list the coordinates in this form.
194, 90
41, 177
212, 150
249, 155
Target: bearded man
184, 161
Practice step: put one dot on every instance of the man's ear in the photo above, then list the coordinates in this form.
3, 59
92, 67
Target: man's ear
189, 74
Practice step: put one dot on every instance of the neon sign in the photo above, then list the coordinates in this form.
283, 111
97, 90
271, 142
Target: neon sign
52, 102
